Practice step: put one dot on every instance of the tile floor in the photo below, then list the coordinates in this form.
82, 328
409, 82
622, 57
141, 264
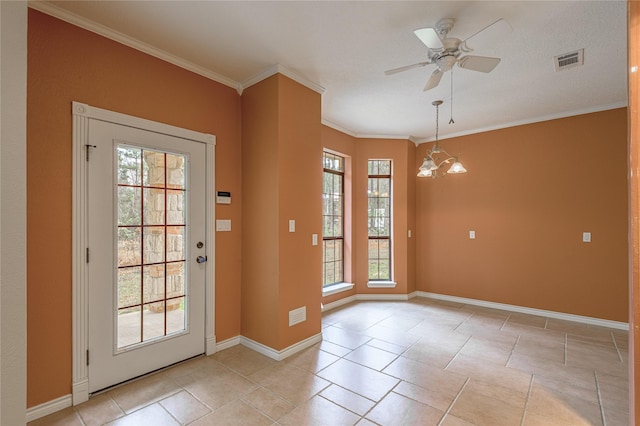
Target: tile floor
421, 362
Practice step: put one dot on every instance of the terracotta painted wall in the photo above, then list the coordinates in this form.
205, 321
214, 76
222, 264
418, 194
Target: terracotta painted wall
281, 270
530, 193
66, 64
260, 212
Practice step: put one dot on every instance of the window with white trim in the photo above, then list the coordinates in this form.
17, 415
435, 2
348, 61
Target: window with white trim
333, 219
379, 219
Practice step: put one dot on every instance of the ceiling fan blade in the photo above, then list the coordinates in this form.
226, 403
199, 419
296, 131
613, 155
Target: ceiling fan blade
430, 38
487, 35
434, 80
478, 63
406, 68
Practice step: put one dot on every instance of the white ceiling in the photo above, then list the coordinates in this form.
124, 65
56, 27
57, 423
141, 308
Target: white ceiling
345, 47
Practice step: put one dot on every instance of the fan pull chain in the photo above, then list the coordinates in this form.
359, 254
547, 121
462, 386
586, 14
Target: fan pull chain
451, 120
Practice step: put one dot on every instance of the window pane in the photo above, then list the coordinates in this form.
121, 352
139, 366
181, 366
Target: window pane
129, 246
129, 165
379, 221
333, 220
153, 244
129, 281
128, 206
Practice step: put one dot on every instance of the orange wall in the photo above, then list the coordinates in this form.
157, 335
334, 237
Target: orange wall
65, 64
282, 270
529, 194
260, 212
300, 197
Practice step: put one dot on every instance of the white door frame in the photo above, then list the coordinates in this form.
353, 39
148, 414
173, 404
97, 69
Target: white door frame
82, 114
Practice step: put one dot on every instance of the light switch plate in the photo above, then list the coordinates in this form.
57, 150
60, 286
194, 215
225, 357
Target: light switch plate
292, 225
223, 225
314, 239
472, 235
586, 237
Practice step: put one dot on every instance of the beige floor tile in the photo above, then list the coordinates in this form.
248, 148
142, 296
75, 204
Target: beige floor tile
537, 347
333, 348
358, 323
66, 417
524, 319
411, 342
488, 404
451, 420
483, 347
243, 360
345, 338
429, 385
184, 407
396, 409
151, 415
362, 380
614, 392
386, 346
480, 369
390, 335
439, 397
345, 398
221, 388
268, 402
321, 412
99, 410
601, 358
579, 386
371, 357
291, 383
234, 413
143, 392
548, 407
312, 359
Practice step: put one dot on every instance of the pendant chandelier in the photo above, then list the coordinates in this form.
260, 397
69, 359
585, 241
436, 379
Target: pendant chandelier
438, 157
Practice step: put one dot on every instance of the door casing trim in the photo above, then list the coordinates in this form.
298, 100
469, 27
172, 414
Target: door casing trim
82, 114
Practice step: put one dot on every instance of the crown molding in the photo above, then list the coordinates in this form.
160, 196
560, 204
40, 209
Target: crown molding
540, 119
339, 128
79, 21
279, 69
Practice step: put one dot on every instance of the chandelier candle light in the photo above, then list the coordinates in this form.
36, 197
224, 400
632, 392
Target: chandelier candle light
437, 157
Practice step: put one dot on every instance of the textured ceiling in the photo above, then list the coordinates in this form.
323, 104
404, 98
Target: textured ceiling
345, 47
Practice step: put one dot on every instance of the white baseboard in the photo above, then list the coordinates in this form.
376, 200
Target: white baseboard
524, 310
226, 344
211, 346
47, 408
355, 297
284, 353
337, 303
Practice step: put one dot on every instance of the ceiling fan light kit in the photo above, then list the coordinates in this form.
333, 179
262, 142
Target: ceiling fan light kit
445, 52
437, 157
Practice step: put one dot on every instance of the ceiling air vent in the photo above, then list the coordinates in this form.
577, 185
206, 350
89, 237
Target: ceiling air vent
569, 60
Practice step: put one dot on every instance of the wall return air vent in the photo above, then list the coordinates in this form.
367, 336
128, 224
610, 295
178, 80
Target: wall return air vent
569, 60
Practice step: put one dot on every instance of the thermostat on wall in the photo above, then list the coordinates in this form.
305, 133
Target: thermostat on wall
224, 197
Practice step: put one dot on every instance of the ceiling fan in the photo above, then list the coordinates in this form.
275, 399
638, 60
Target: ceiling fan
445, 51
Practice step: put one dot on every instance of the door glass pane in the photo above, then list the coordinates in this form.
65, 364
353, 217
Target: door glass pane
151, 283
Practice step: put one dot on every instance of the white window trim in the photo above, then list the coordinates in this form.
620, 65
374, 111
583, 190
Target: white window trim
381, 284
336, 288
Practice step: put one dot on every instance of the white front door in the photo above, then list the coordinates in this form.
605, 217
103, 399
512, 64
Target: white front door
146, 251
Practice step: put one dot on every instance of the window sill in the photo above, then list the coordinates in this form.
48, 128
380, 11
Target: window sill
381, 284
336, 288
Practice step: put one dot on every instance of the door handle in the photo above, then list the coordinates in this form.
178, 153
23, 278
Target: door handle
201, 259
